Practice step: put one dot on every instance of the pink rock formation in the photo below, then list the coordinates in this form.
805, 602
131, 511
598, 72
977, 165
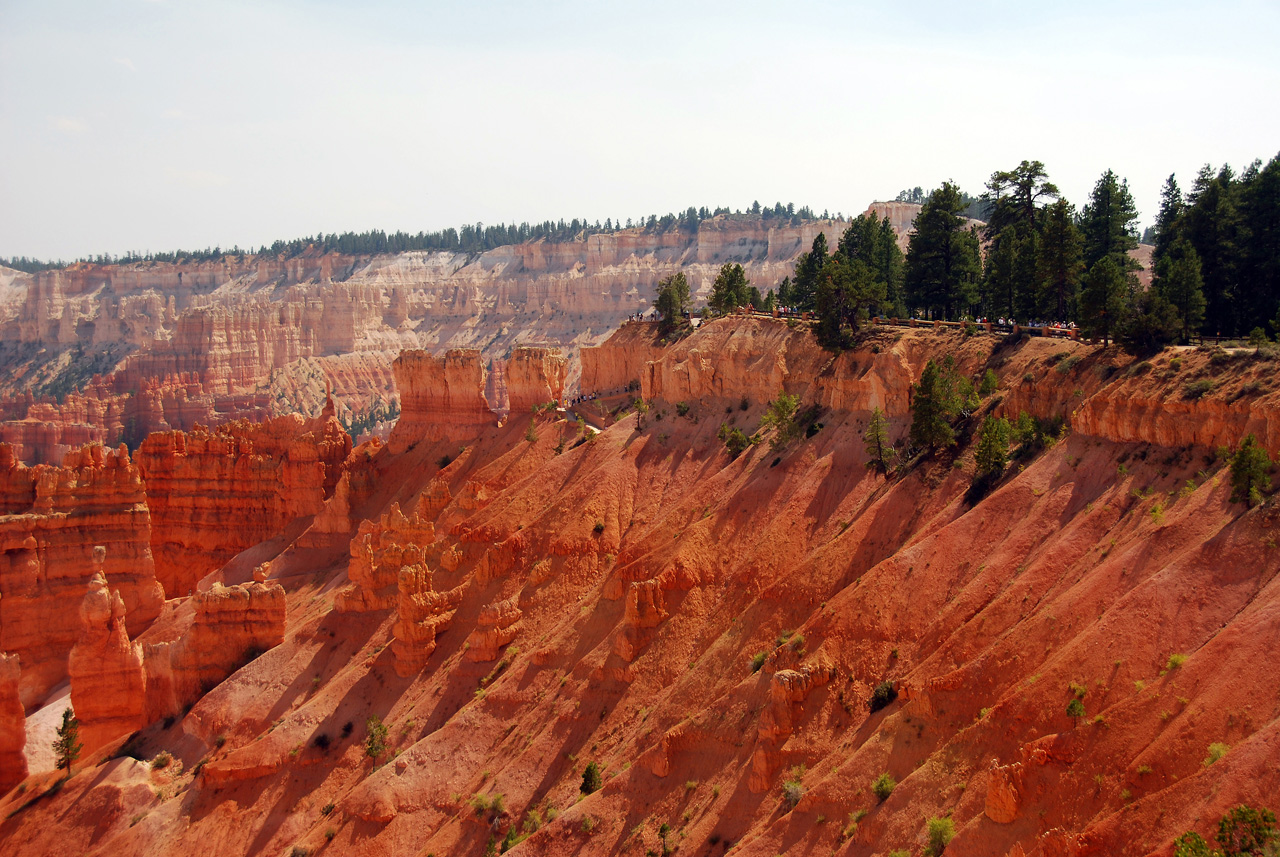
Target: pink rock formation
380, 549
214, 493
108, 683
422, 613
497, 625
51, 520
534, 376
13, 725
441, 398
232, 625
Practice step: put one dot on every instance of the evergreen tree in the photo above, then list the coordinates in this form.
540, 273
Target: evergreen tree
67, 746
1211, 224
876, 441
1260, 240
847, 289
992, 453
943, 256
1150, 323
672, 302
932, 408
805, 284
1060, 259
1250, 472
1166, 225
729, 290
1104, 299
1178, 281
1107, 222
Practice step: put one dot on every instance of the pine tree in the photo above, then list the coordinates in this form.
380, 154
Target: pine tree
876, 441
847, 289
672, 302
730, 289
1166, 226
992, 453
943, 260
1250, 472
932, 408
1260, 239
1060, 259
1211, 224
1107, 222
67, 746
805, 284
1150, 323
1104, 299
1178, 281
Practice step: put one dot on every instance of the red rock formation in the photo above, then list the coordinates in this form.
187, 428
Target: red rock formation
535, 376
441, 398
13, 726
497, 625
231, 626
51, 521
378, 552
621, 359
108, 683
422, 613
214, 493
246, 337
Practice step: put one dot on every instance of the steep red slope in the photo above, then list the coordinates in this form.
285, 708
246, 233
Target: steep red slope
708, 629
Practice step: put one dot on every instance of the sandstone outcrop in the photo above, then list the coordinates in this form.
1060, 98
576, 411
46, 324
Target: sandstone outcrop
13, 725
244, 337
231, 626
422, 613
441, 398
620, 360
379, 551
108, 682
496, 626
213, 493
534, 377
52, 520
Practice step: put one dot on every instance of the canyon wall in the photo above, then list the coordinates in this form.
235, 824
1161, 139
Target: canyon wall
13, 727
214, 492
116, 352
52, 520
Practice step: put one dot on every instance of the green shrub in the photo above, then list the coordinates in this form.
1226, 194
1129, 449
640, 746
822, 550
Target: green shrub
989, 384
941, 832
162, 760
591, 779
1250, 472
1075, 709
1216, 751
375, 740
1196, 389
682, 409
757, 661
734, 439
884, 694
883, 786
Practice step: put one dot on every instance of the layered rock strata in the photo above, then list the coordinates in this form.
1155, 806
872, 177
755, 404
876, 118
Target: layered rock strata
232, 625
422, 613
213, 493
534, 377
13, 725
108, 681
50, 523
441, 398
379, 551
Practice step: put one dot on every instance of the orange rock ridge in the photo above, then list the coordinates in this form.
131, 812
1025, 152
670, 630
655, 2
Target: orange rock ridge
644, 574
52, 520
213, 493
13, 727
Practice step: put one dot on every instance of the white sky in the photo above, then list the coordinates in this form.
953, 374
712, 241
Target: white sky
159, 124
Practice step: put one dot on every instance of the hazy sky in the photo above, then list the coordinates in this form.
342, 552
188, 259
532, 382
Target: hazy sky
158, 124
